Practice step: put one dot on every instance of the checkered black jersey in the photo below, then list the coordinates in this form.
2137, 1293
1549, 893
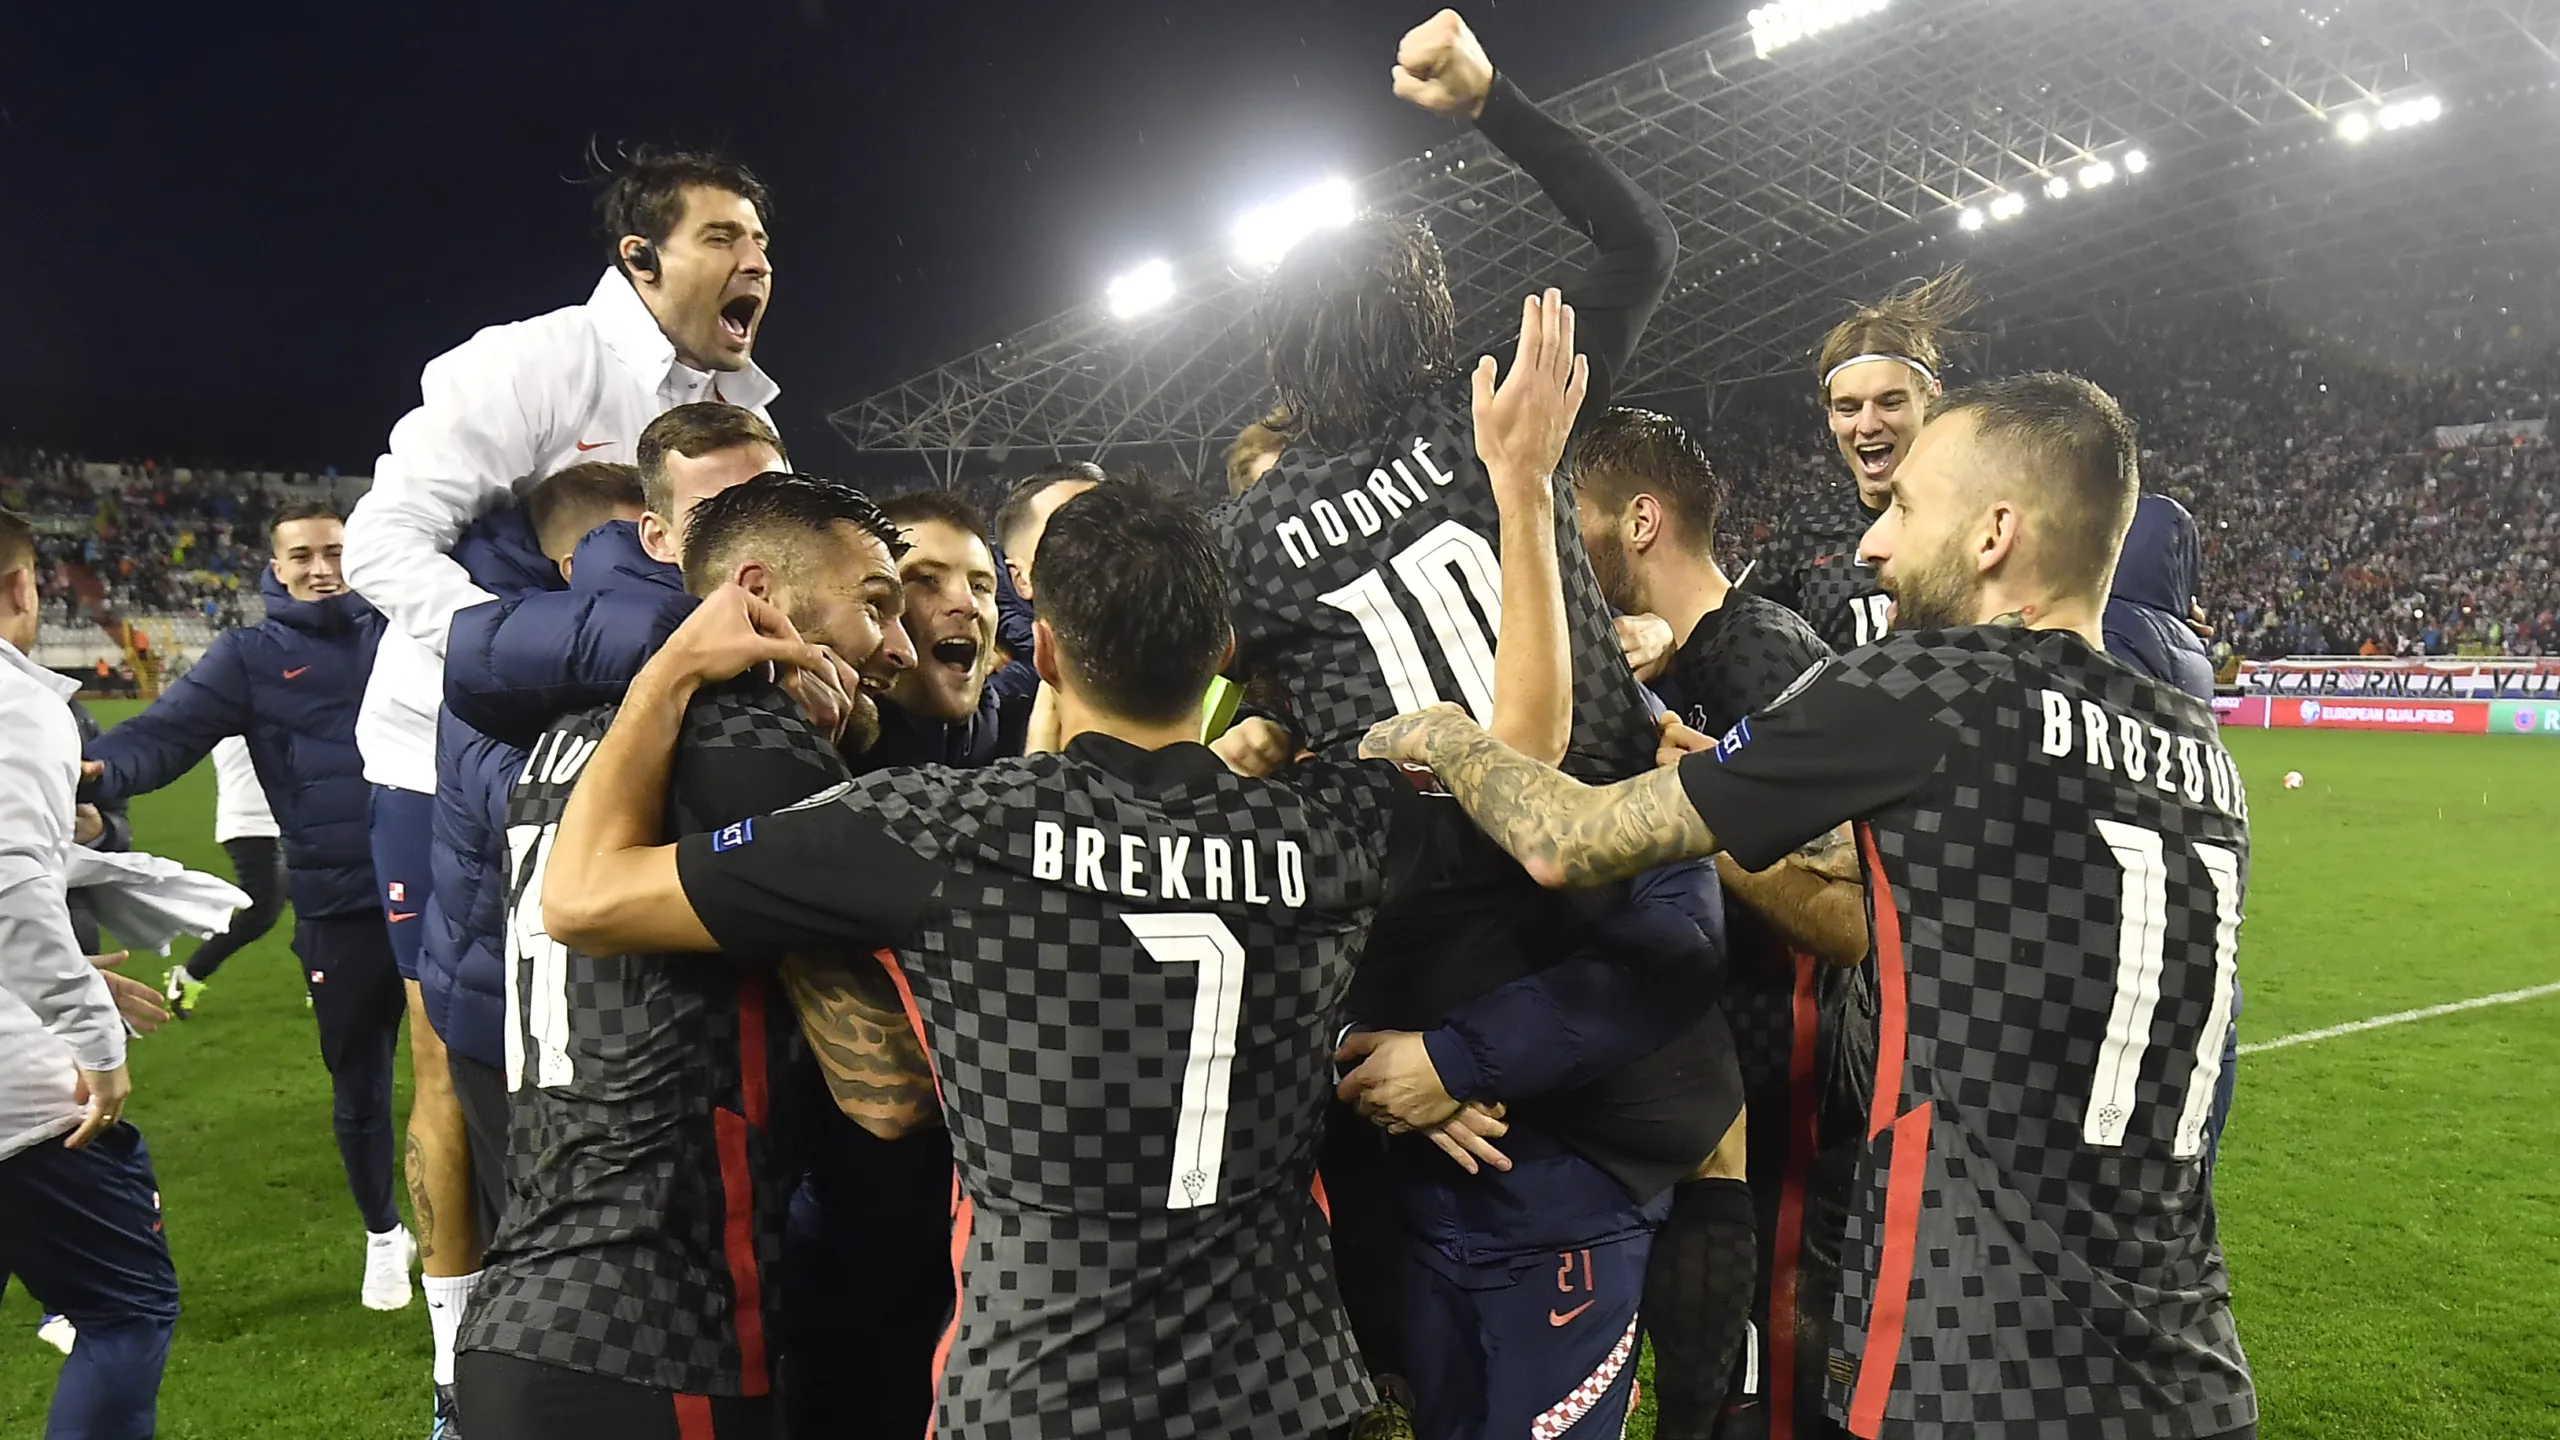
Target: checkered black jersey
1811, 567
645, 1208
2056, 850
1128, 967
1370, 585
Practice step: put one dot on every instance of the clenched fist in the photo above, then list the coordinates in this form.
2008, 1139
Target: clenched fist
1441, 66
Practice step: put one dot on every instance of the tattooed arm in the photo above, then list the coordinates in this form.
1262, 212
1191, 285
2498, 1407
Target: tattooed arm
874, 1063
1813, 897
1563, 832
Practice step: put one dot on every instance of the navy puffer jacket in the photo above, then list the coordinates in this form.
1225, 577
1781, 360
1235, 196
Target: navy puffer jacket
2155, 584
290, 685
518, 664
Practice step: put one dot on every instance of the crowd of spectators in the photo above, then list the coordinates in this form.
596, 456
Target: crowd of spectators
155, 542
2333, 521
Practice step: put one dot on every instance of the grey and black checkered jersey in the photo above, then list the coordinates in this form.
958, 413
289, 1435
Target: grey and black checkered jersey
1129, 968
1370, 585
645, 1205
2057, 850
1811, 566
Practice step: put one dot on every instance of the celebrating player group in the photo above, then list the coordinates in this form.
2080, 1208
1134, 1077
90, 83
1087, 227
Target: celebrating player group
869, 974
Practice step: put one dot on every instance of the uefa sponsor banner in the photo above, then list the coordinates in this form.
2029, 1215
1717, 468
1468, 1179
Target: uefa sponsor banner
2525, 717
2439, 717
2443, 678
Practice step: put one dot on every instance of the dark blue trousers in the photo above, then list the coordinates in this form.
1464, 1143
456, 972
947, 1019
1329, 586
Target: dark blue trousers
1543, 1347
81, 1230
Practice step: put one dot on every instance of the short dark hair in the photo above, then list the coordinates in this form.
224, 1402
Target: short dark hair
17, 541
914, 507
1132, 584
1357, 322
1015, 512
2075, 445
643, 195
1628, 452
776, 512
702, 428
301, 510
569, 503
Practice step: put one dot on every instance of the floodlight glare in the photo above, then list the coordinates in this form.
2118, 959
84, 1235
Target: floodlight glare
1784, 22
2095, 174
1265, 233
2403, 114
1138, 291
1971, 219
2135, 162
2352, 128
2008, 207
2057, 187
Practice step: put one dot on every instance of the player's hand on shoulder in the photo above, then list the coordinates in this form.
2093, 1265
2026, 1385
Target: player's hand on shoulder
1253, 746
1645, 640
1678, 741
1441, 66
1405, 738
1522, 424
731, 632
824, 695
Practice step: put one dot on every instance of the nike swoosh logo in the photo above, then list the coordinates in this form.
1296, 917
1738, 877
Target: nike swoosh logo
296, 672
586, 445
1565, 1317
399, 915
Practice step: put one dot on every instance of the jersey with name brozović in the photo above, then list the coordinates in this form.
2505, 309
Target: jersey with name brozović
1370, 585
2056, 851
1129, 967
1811, 566
645, 1208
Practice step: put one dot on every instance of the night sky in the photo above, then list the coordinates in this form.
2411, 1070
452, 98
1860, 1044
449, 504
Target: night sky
235, 233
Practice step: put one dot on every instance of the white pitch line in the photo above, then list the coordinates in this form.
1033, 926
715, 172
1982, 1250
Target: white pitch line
2505, 997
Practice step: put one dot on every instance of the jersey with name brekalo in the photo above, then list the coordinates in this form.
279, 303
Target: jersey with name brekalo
2056, 851
1370, 585
1128, 967
645, 1210
1811, 566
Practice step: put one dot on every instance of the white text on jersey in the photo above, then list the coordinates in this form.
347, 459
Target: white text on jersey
2143, 754
1368, 507
1229, 870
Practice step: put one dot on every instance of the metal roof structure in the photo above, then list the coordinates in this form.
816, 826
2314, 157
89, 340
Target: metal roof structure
1845, 161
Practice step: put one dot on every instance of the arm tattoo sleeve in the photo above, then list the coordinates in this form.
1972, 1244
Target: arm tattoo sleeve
1562, 831
874, 1063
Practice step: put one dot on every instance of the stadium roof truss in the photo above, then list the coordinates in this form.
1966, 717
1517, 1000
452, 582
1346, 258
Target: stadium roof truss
1840, 164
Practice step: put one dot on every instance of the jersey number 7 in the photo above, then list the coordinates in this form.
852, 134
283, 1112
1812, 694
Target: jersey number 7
1200, 1126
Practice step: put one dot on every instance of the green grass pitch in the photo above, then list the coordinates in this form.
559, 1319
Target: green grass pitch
2390, 1199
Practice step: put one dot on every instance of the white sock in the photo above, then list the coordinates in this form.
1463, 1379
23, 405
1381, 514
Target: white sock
447, 1297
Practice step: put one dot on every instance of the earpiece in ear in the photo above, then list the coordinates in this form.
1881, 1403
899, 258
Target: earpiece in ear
642, 258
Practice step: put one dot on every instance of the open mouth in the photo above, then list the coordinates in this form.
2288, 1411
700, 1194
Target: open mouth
738, 318
959, 654
1874, 460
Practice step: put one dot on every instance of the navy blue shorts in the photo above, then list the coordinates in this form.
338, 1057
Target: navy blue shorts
403, 825
1544, 1348
81, 1230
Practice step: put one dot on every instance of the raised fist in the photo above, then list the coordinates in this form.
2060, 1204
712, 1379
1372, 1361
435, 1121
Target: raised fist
1441, 66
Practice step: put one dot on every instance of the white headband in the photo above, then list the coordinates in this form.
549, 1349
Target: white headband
1834, 372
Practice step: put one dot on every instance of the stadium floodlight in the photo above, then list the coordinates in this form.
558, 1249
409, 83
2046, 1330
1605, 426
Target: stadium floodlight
2402, 114
2352, 128
2008, 207
1265, 233
2096, 173
1784, 22
2057, 188
1135, 292
2135, 162
1971, 219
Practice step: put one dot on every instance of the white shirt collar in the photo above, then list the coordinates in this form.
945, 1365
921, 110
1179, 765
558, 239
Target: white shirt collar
16, 659
623, 320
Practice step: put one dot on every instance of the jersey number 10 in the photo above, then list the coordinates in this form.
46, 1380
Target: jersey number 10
1439, 571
